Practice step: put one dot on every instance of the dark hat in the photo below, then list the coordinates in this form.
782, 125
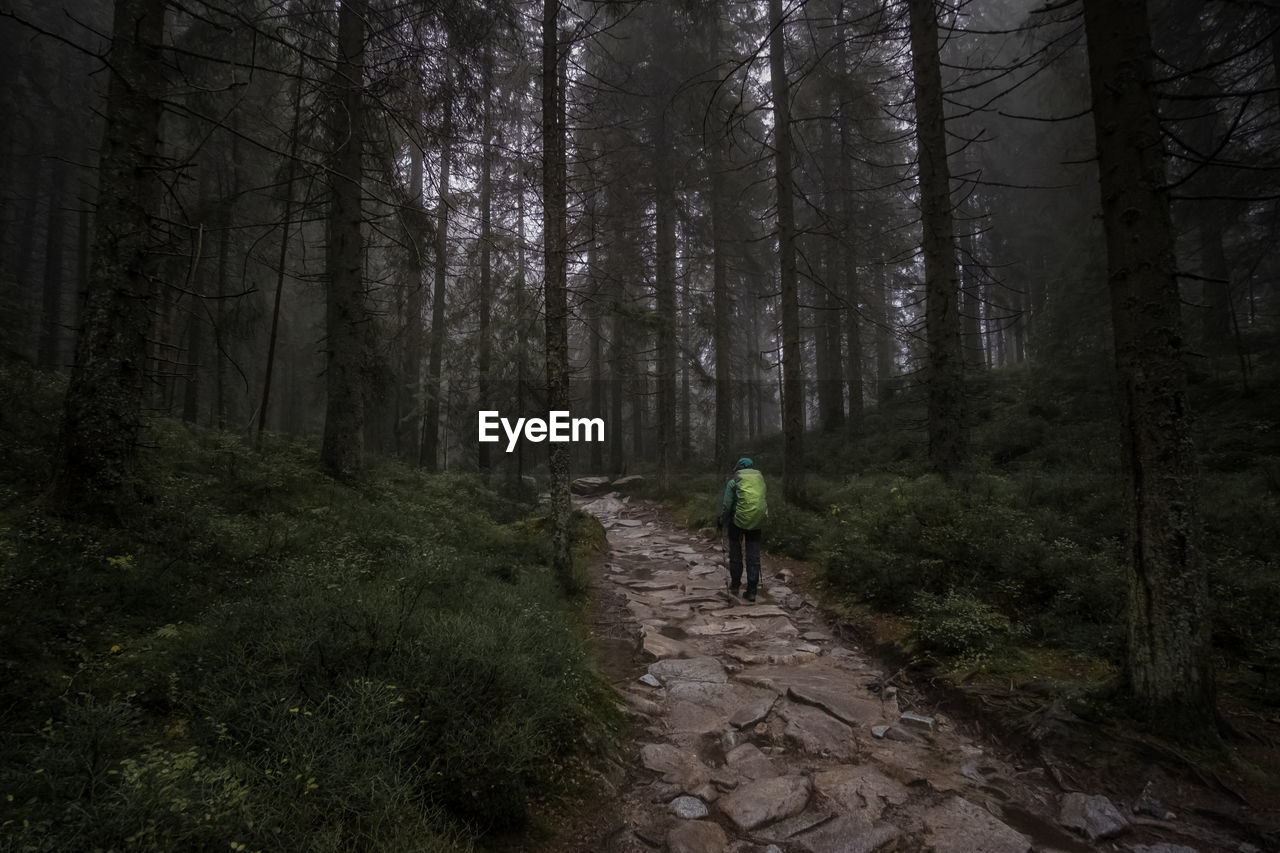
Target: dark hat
744, 462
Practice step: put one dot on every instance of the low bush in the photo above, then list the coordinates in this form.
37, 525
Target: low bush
263, 659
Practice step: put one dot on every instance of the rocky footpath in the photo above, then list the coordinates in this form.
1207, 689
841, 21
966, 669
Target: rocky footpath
760, 731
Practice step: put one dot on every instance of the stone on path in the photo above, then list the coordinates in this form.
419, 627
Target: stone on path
655, 646
846, 835
842, 706
766, 800
959, 826
749, 715
689, 669
626, 522
817, 733
696, 836
675, 765
1094, 816
688, 808
650, 680
862, 791
792, 826
916, 721
588, 485
746, 759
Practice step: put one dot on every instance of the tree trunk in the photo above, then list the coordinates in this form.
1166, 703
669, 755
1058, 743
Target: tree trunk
346, 319
485, 348
947, 440
665, 239
1169, 660
409, 404
792, 366
555, 286
283, 256
49, 347
104, 397
431, 420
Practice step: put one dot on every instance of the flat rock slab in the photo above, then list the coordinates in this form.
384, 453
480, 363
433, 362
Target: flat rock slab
860, 790
765, 801
847, 835
843, 706
675, 765
724, 699
696, 836
747, 760
817, 733
753, 611
689, 669
805, 821
959, 826
753, 712
658, 647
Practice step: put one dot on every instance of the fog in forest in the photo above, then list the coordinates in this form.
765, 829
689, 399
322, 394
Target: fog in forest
1010, 266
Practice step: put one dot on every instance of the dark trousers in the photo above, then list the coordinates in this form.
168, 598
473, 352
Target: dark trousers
736, 537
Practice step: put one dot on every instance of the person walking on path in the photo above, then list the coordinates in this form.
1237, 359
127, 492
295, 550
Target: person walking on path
743, 510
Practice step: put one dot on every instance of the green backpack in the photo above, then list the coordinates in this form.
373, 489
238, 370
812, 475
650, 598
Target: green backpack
751, 509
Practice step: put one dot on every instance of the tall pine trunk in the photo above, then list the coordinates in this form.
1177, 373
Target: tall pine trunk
665, 240
435, 359
346, 318
1169, 659
947, 440
792, 366
485, 348
555, 286
103, 411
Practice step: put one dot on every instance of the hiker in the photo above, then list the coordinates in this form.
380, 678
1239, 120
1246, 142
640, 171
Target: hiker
743, 510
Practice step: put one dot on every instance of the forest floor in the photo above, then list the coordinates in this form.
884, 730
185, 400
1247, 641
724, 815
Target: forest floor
764, 728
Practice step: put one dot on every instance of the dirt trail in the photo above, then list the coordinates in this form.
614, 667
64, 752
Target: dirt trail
761, 732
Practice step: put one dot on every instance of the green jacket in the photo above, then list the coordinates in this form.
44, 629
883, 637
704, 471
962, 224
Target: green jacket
743, 501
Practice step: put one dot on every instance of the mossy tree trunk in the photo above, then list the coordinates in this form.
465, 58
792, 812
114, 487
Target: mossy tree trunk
347, 318
555, 285
104, 399
1169, 662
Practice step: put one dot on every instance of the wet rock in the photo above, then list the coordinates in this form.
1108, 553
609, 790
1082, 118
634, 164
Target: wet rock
860, 790
1092, 815
900, 735
657, 647
1149, 802
959, 826
650, 680
626, 522
707, 792
879, 731
688, 808
842, 706
765, 801
689, 669
662, 792
747, 760
795, 825
749, 715
588, 485
815, 636
818, 733
916, 721
847, 835
627, 482
793, 602
675, 765
696, 836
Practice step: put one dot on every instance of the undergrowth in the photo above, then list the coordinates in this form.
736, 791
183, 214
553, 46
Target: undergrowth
259, 658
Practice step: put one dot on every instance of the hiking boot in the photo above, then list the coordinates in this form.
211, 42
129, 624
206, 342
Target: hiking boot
734, 588
751, 593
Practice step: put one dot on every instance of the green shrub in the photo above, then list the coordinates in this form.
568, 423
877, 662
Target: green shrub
960, 628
